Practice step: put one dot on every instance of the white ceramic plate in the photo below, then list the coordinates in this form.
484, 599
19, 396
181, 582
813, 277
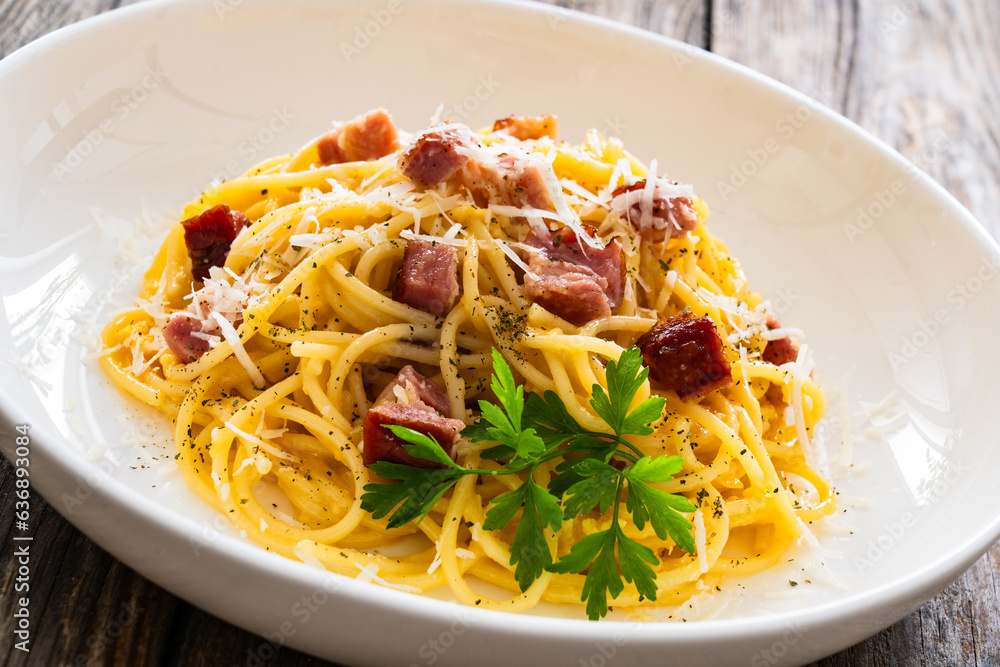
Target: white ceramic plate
890, 277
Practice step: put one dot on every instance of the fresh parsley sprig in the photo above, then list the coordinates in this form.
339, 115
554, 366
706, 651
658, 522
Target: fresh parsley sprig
598, 470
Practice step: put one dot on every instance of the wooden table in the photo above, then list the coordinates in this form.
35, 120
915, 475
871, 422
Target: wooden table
902, 70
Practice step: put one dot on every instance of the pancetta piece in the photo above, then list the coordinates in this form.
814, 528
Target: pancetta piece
179, 333
416, 402
428, 278
208, 237
364, 138
507, 180
451, 152
658, 208
685, 354
437, 154
529, 127
571, 279
779, 350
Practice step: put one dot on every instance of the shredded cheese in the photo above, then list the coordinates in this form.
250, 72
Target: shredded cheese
229, 333
700, 541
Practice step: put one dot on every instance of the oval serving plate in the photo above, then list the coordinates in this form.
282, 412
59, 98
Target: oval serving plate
891, 279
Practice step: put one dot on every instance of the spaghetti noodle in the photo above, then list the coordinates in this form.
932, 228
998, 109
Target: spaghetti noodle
269, 363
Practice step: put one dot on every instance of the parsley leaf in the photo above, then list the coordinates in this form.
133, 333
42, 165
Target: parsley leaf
505, 423
531, 430
548, 413
597, 486
418, 489
529, 551
660, 508
624, 380
596, 551
422, 446
634, 560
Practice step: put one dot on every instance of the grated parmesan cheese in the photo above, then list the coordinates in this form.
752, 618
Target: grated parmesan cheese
301, 552
783, 332
244, 464
229, 333
700, 541
369, 574
507, 250
411, 236
274, 451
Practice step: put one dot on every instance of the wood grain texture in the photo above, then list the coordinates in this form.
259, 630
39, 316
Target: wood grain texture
923, 77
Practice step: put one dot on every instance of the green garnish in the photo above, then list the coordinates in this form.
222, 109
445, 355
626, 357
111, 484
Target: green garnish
532, 430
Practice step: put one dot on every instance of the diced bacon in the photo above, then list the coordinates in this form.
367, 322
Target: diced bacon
180, 339
573, 280
452, 151
509, 180
564, 245
529, 127
364, 138
428, 279
208, 237
658, 212
416, 402
576, 297
684, 353
780, 350
436, 155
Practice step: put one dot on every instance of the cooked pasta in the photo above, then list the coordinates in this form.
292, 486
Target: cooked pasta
268, 346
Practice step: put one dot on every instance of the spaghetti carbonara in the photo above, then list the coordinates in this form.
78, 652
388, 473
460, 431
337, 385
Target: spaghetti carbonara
364, 281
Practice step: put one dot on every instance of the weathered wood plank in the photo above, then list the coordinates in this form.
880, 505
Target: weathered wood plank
807, 45
927, 81
86, 608
201, 640
680, 19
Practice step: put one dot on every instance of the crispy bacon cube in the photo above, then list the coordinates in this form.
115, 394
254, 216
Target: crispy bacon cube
572, 279
428, 279
780, 350
416, 402
178, 333
529, 127
208, 237
437, 154
669, 214
364, 138
685, 354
